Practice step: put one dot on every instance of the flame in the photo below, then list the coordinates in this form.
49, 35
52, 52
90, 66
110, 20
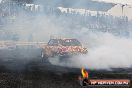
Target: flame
84, 73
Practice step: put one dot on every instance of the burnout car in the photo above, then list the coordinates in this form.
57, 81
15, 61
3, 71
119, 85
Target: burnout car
63, 47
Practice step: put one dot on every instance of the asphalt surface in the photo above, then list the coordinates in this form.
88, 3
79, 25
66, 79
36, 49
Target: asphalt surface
16, 73
36, 73
39, 74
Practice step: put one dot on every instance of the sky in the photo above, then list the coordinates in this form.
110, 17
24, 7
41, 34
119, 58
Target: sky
129, 2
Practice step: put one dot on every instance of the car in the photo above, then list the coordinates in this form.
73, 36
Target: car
63, 47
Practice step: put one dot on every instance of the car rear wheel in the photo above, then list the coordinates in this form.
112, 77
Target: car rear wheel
44, 57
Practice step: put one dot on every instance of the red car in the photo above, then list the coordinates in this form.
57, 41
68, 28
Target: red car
63, 47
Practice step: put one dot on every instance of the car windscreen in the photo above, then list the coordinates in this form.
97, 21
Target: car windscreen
53, 42
71, 42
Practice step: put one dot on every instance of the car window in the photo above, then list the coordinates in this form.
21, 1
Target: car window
53, 42
71, 42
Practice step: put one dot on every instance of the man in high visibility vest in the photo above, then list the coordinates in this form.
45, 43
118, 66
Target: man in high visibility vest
84, 80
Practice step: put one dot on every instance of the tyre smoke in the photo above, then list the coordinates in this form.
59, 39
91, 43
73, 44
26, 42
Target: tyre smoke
105, 51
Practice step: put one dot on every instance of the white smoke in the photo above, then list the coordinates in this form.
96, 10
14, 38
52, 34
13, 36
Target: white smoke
105, 51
